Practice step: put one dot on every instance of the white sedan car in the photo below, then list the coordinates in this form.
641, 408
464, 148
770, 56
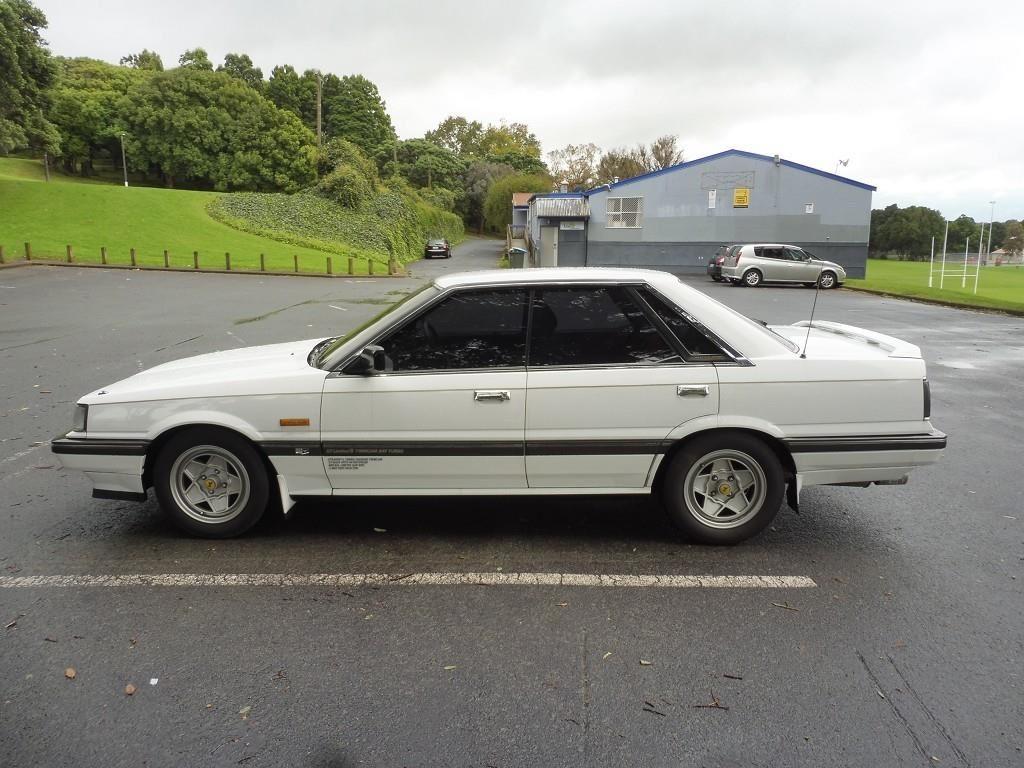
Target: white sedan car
525, 382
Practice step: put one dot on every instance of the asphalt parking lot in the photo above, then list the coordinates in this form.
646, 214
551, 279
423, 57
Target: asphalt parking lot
906, 651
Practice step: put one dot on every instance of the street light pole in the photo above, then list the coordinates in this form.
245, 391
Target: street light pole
124, 165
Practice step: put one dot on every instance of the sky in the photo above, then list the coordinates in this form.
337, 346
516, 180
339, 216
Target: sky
923, 98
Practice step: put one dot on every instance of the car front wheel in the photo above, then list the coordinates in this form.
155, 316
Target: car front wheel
723, 488
827, 280
211, 483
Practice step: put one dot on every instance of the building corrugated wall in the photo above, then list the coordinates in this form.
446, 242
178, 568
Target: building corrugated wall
691, 209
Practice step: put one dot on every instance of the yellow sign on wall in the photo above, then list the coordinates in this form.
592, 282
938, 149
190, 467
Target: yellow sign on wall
741, 197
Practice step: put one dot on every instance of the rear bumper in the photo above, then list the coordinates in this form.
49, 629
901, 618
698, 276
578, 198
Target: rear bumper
864, 458
115, 467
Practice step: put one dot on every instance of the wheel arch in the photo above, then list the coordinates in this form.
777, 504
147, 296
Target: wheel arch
157, 444
772, 441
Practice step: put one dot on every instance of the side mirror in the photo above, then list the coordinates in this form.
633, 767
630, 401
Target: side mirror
371, 360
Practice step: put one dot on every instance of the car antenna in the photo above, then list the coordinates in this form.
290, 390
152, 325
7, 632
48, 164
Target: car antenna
817, 288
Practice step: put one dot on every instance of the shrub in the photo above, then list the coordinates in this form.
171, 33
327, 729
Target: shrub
346, 186
439, 197
338, 152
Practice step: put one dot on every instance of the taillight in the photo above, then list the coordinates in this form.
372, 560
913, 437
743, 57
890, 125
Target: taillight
927, 400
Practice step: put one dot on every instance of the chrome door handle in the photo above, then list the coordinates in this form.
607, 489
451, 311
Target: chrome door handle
692, 390
492, 394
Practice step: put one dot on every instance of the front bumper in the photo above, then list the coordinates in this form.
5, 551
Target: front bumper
115, 466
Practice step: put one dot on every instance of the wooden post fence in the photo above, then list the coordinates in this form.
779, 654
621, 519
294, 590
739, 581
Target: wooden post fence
103, 254
369, 266
330, 264
133, 257
296, 258
392, 266
70, 254
227, 261
2, 255
167, 259
28, 252
351, 265
195, 259
263, 263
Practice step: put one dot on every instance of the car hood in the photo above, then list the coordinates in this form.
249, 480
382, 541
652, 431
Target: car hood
830, 265
268, 369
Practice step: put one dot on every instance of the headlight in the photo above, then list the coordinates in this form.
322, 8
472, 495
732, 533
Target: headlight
81, 418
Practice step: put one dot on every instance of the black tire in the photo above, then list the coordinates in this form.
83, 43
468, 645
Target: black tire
242, 465
752, 278
731, 528
827, 280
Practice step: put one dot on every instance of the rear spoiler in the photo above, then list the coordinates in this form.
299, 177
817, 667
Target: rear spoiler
892, 346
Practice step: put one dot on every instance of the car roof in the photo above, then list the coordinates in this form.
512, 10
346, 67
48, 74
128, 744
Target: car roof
773, 245
555, 275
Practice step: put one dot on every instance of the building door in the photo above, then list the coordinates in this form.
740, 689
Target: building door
548, 247
572, 244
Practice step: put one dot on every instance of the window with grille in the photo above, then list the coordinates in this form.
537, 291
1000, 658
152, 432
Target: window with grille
625, 212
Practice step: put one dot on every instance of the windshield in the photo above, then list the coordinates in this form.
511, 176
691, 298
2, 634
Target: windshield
328, 358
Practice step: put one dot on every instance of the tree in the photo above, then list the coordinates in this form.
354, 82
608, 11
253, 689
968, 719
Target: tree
619, 164
459, 135
86, 109
144, 59
664, 153
240, 66
574, 165
520, 161
476, 183
26, 74
424, 164
905, 231
504, 139
964, 232
1013, 237
354, 110
208, 128
290, 91
195, 58
498, 205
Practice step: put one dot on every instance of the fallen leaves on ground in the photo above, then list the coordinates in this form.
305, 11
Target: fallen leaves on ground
645, 663
70, 673
129, 690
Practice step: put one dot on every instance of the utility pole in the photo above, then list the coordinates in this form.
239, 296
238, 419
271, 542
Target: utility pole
319, 108
124, 164
46, 164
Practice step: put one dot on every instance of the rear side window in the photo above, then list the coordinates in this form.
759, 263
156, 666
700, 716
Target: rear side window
698, 347
583, 325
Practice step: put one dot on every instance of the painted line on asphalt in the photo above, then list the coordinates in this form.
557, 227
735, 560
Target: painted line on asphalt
407, 579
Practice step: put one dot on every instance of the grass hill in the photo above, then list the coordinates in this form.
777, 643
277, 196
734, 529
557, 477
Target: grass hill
89, 214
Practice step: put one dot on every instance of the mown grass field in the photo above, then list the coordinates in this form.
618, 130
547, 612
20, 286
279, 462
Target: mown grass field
91, 215
998, 287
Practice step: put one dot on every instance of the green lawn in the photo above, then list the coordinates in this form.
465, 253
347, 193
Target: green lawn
89, 216
998, 287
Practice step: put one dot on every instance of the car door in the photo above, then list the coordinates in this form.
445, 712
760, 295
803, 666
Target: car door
607, 382
449, 410
804, 270
773, 263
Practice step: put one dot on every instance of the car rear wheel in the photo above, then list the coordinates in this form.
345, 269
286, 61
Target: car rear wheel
723, 488
752, 278
211, 483
827, 280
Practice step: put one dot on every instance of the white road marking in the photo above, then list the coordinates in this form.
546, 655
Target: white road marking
26, 452
343, 309
406, 579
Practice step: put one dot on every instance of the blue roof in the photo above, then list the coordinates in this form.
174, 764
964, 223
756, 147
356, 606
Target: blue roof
727, 153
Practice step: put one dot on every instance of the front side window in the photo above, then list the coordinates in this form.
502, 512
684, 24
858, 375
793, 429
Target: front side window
795, 254
586, 325
768, 252
625, 212
468, 330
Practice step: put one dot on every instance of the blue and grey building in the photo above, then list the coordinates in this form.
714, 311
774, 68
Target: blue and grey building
676, 218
